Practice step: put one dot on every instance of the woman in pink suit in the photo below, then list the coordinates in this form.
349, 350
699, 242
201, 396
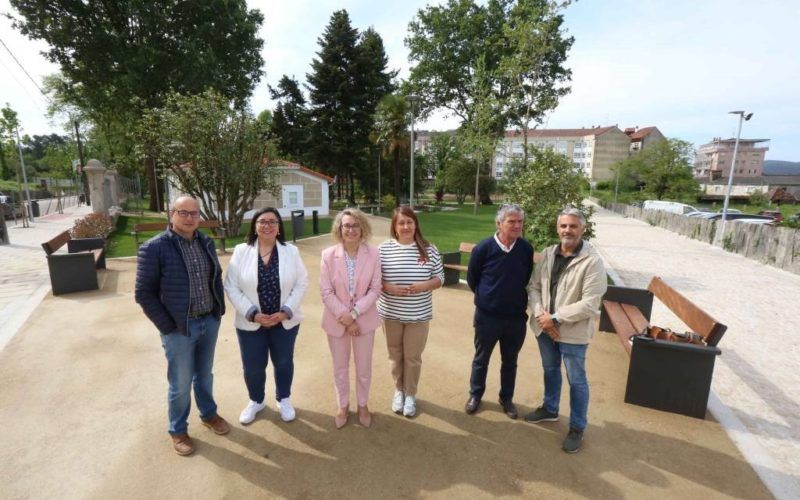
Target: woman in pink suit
350, 284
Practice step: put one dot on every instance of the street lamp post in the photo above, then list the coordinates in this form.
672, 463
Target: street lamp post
411, 99
743, 117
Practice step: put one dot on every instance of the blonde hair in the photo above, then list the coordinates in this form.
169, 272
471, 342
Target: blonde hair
358, 215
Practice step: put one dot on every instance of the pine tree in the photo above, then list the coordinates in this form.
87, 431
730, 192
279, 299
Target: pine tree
290, 120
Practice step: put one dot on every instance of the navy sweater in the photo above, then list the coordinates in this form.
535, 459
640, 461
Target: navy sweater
499, 280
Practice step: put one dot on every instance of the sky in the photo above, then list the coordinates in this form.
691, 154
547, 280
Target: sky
678, 65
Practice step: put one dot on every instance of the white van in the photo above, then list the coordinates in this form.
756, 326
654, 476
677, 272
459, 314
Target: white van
668, 206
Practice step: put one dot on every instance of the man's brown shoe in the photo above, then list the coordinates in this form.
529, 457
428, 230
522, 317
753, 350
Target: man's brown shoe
182, 444
217, 424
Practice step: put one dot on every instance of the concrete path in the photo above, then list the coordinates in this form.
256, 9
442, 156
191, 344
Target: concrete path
83, 406
24, 279
758, 375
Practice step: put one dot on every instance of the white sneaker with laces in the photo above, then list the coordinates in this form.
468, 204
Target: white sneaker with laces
410, 407
287, 410
249, 413
397, 402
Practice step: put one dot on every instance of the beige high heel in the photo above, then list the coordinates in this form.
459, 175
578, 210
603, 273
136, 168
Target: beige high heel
364, 416
339, 419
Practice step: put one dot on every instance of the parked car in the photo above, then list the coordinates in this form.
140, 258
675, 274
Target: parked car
775, 214
741, 216
668, 206
731, 211
3, 198
699, 212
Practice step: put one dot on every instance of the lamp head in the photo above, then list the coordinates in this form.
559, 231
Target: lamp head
748, 116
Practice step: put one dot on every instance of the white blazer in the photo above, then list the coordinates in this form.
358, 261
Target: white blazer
241, 283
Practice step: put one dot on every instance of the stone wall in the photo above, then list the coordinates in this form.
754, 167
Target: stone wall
776, 246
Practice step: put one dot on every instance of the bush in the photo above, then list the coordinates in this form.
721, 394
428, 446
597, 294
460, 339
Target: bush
388, 202
93, 226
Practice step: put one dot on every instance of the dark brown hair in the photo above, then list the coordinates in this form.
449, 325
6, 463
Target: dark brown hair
252, 236
422, 243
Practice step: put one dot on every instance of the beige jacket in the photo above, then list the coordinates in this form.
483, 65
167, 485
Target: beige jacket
580, 290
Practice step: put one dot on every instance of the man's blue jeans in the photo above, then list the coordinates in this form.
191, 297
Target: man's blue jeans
190, 360
574, 356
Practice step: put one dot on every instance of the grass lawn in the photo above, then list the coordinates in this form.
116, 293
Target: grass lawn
122, 244
446, 229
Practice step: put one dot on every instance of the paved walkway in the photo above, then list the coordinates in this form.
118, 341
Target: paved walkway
758, 375
83, 409
24, 279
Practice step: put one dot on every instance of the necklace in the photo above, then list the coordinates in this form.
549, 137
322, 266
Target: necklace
267, 253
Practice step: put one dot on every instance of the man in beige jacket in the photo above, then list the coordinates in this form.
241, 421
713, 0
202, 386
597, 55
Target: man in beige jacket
564, 294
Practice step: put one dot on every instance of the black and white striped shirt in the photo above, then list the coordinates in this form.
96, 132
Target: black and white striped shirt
401, 265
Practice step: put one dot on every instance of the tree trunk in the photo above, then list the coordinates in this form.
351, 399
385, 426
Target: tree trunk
156, 203
397, 177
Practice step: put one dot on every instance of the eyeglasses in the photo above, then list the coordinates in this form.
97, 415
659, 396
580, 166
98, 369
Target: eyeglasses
187, 213
347, 227
269, 222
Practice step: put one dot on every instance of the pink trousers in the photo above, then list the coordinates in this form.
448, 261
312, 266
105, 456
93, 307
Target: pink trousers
361, 346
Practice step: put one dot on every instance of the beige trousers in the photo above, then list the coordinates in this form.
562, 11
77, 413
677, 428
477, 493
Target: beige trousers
405, 343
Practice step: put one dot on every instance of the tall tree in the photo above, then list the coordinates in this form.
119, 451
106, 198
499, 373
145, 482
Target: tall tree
333, 99
120, 57
391, 132
534, 66
218, 153
290, 119
520, 45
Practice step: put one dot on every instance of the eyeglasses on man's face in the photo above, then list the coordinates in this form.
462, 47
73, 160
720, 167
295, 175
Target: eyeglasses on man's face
186, 213
348, 227
267, 222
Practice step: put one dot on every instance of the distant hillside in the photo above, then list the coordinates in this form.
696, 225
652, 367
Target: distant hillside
778, 167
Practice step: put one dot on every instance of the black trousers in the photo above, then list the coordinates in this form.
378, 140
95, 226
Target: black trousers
489, 330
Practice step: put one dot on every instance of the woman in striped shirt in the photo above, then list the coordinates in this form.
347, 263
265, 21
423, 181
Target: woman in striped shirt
411, 267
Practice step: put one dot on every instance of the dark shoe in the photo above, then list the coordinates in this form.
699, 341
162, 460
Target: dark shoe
217, 424
472, 405
509, 408
572, 443
182, 444
540, 414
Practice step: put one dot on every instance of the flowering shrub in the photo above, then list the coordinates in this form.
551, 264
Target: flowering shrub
93, 226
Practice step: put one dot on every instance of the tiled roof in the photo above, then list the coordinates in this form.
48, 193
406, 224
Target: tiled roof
562, 132
296, 166
642, 133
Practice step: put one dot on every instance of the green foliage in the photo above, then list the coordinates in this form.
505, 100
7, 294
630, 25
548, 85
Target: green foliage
758, 199
347, 80
390, 132
543, 188
216, 153
663, 169
388, 201
290, 120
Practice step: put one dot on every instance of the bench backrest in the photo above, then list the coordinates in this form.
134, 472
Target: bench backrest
59, 241
695, 318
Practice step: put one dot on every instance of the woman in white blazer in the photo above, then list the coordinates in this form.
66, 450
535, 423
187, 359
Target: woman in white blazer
265, 282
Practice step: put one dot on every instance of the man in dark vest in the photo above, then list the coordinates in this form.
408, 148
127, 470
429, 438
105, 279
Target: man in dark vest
179, 286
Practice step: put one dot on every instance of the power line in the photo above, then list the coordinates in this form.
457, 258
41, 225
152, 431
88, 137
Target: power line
25, 71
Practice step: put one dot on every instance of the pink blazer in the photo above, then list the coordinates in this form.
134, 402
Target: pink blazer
335, 295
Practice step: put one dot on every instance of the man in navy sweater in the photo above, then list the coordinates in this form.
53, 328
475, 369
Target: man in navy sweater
498, 274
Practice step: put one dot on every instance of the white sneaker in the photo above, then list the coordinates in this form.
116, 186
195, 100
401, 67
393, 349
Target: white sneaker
287, 410
410, 407
249, 413
397, 402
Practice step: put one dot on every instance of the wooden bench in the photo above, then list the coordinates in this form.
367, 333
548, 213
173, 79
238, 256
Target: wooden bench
663, 374
453, 267
76, 270
217, 231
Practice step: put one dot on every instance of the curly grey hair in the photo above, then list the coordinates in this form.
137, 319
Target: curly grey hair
506, 209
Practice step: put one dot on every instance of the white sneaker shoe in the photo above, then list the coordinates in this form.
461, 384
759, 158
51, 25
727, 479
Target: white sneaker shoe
287, 410
397, 402
410, 407
249, 413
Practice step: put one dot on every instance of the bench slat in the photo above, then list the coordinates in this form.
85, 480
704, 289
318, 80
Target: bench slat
621, 323
695, 318
636, 317
59, 241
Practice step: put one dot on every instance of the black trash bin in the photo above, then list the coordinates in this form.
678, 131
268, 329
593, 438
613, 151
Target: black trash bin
35, 208
82, 199
314, 222
298, 224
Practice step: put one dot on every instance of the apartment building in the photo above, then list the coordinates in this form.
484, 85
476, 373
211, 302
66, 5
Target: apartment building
594, 150
715, 159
